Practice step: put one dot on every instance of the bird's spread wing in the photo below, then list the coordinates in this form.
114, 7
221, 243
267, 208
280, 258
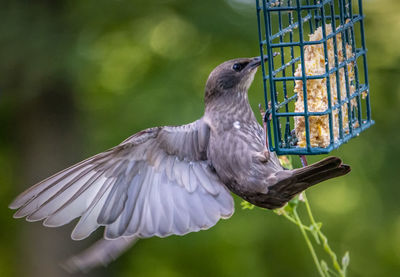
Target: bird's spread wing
155, 183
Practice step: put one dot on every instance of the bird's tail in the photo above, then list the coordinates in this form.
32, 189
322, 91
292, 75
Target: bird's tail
325, 169
289, 185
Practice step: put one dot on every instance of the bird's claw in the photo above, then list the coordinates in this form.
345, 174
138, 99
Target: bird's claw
263, 156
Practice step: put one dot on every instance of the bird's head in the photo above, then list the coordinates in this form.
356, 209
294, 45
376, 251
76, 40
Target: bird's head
231, 77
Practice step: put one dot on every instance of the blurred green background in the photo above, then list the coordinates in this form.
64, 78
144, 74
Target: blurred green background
77, 77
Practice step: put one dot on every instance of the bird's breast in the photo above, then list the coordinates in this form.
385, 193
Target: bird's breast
232, 148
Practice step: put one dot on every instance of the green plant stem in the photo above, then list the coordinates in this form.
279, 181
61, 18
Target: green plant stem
309, 244
324, 239
285, 214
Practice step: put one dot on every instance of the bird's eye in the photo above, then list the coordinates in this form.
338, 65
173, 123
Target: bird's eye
237, 67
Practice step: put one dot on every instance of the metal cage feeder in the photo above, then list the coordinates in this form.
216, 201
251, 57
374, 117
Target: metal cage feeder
316, 90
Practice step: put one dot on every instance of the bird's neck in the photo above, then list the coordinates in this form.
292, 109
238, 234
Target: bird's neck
229, 108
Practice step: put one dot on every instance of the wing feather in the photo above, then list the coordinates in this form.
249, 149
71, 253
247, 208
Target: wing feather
88, 221
51, 190
61, 201
76, 206
156, 183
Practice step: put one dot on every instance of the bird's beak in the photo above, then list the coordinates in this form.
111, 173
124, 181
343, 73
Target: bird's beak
256, 61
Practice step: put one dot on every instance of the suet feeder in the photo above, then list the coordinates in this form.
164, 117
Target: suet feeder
316, 90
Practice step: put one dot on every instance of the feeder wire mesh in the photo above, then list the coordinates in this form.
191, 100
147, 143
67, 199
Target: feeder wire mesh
316, 91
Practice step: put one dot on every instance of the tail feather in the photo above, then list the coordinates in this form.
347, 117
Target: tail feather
316, 168
328, 174
311, 180
299, 180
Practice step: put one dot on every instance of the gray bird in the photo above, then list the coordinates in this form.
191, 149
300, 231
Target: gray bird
173, 180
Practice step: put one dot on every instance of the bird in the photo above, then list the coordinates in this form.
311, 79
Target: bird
173, 180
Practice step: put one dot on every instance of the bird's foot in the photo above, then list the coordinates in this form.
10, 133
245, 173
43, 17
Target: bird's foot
263, 156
